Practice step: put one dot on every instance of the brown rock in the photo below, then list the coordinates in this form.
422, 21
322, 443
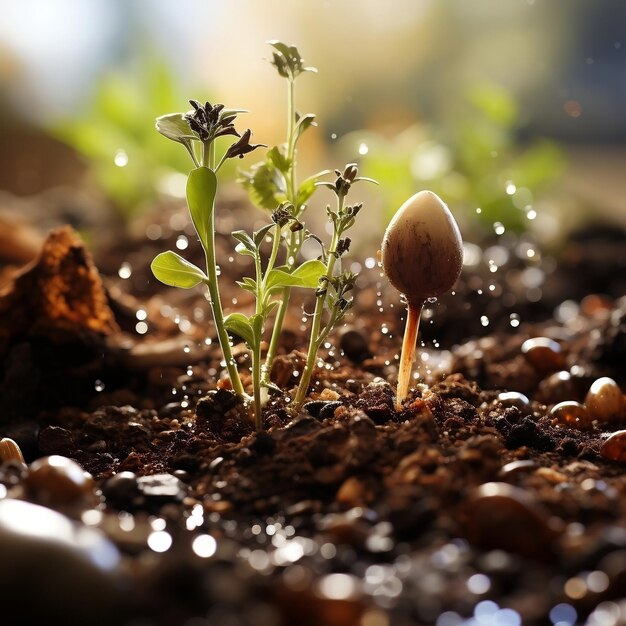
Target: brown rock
572, 414
60, 483
544, 354
557, 387
614, 448
58, 295
604, 400
502, 517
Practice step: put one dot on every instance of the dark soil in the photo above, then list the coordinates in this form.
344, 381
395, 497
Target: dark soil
470, 504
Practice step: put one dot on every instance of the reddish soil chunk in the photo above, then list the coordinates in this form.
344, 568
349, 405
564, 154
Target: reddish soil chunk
60, 294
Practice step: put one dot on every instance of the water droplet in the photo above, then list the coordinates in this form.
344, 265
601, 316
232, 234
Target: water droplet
154, 232
121, 158
125, 270
363, 148
333, 135
141, 328
160, 541
484, 320
510, 188
186, 349
98, 385
141, 314
182, 242
499, 229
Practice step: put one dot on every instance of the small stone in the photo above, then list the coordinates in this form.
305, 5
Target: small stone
56, 440
60, 572
321, 408
354, 344
60, 483
121, 490
503, 517
517, 467
329, 394
544, 354
351, 493
604, 400
572, 414
557, 387
162, 488
514, 398
551, 475
614, 448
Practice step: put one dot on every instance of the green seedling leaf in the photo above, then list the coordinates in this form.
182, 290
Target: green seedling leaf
306, 275
201, 189
265, 184
305, 122
309, 273
287, 60
278, 160
248, 284
173, 270
238, 324
256, 322
308, 185
260, 234
366, 179
245, 240
175, 127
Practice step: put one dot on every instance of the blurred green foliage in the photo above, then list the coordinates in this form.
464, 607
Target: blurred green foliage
471, 157
116, 136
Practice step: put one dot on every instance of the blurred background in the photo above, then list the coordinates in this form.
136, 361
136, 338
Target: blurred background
512, 111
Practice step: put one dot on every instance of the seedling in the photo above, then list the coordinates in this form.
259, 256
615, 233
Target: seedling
272, 185
275, 181
422, 255
333, 290
198, 131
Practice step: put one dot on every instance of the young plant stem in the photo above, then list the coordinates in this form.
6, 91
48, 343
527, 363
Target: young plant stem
316, 337
256, 350
292, 247
218, 316
208, 157
408, 352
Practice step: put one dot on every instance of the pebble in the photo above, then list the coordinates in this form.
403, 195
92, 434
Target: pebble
354, 344
351, 493
161, 488
604, 400
514, 398
517, 467
501, 516
121, 490
56, 440
322, 408
557, 387
614, 448
543, 354
60, 483
72, 568
572, 414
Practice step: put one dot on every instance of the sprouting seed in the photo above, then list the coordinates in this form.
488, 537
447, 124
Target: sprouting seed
422, 256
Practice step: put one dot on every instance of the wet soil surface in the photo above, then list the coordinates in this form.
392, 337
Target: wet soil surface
477, 503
